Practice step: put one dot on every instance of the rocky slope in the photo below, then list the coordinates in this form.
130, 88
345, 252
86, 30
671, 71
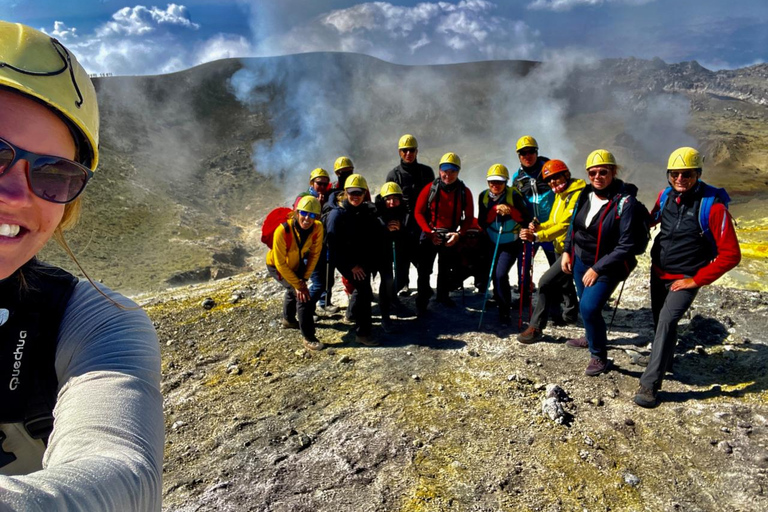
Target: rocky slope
443, 416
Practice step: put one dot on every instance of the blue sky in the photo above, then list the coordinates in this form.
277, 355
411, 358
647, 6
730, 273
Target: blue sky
122, 38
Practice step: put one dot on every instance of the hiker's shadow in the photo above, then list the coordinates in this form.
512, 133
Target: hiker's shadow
703, 360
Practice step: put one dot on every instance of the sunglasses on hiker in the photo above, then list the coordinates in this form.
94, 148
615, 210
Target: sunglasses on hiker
526, 152
51, 178
686, 175
408, 150
598, 172
307, 214
355, 193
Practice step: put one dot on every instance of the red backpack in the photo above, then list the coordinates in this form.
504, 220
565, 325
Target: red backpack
275, 218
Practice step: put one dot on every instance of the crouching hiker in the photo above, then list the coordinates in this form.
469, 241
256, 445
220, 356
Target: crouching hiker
695, 246
555, 285
354, 240
296, 249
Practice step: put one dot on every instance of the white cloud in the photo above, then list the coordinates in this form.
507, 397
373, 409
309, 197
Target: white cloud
427, 33
139, 20
61, 31
223, 46
567, 5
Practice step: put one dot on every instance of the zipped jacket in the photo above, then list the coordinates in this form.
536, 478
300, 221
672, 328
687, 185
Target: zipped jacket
446, 210
555, 227
510, 225
607, 244
412, 178
355, 236
538, 196
680, 250
293, 260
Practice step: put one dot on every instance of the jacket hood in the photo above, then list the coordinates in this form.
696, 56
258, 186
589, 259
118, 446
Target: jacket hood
576, 184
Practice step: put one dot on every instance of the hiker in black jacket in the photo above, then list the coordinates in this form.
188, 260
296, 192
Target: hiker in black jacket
412, 177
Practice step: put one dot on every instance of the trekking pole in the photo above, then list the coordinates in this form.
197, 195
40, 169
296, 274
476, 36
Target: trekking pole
394, 265
327, 277
618, 299
490, 275
525, 276
529, 290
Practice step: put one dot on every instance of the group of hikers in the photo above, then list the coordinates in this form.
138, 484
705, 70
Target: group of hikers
591, 234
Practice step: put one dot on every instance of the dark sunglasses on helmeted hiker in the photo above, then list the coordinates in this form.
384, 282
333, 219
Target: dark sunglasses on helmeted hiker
686, 175
51, 178
307, 214
526, 152
601, 172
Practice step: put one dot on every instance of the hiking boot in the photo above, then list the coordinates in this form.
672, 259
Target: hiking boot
529, 335
578, 343
641, 361
366, 340
645, 397
405, 292
387, 325
290, 324
312, 343
402, 311
597, 366
328, 309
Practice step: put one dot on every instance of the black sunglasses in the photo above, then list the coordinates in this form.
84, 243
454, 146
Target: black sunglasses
686, 175
526, 152
51, 178
356, 193
600, 172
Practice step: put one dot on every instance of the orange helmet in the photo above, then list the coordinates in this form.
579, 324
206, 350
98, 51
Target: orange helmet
552, 167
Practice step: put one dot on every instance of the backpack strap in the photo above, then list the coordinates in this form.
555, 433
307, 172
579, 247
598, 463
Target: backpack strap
663, 196
710, 196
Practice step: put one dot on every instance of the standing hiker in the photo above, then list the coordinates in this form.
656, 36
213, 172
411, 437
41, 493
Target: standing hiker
695, 246
555, 285
600, 248
398, 227
82, 418
296, 248
321, 281
355, 240
444, 210
502, 212
412, 177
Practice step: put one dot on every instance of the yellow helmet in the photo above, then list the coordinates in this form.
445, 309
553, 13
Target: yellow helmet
39, 66
355, 181
451, 158
390, 188
497, 172
600, 157
407, 141
318, 173
684, 158
308, 204
341, 163
526, 141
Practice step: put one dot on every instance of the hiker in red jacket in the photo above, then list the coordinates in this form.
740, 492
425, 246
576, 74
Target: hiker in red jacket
444, 210
695, 246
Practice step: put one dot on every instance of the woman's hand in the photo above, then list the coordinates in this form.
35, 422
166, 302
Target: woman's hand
393, 225
565, 264
503, 210
358, 272
527, 235
682, 284
302, 292
451, 239
590, 277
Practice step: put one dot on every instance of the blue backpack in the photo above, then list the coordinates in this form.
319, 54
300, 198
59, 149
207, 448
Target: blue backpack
711, 196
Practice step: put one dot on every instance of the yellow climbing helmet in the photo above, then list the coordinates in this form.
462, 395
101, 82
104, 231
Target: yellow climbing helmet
497, 172
318, 173
451, 158
684, 158
341, 163
39, 66
600, 157
407, 141
390, 188
355, 181
308, 204
526, 141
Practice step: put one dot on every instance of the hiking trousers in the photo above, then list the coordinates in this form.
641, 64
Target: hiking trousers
668, 308
591, 302
505, 260
292, 307
360, 303
554, 286
447, 258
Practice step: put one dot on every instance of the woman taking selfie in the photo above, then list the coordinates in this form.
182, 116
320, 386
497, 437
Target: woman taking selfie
81, 419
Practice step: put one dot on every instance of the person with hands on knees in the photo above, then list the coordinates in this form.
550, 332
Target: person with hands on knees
600, 248
695, 246
502, 212
296, 249
355, 240
81, 420
444, 210
555, 285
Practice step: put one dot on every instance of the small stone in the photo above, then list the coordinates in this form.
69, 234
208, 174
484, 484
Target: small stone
208, 303
267, 374
631, 479
540, 386
552, 408
725, 429
511, 377
700, 350
235, 298
473, 353
588, 441
725, 447
234, 369
596, 401
303, 441
584, 454
301, 353
177, 425
539, 365
555, 391
344, 359
457, 465
418, 444
169, 343
629, 422
415, 377
409, 353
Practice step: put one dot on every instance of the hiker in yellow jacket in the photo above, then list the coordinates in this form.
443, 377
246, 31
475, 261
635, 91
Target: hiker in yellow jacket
296, 248
555, 285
